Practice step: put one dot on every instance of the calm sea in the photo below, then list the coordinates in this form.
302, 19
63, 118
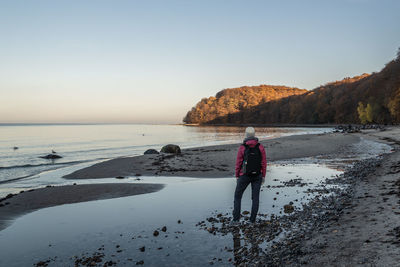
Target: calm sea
86, 143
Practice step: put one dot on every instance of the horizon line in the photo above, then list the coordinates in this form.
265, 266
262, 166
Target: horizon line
82, 123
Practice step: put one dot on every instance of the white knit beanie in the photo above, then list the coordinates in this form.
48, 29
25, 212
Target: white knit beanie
250, 132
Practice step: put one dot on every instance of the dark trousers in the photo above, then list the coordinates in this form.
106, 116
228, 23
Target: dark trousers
242, 183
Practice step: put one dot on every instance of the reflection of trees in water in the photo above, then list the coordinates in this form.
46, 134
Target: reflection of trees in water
236, 129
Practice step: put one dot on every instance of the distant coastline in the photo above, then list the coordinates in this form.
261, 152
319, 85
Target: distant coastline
278, 125
80, 123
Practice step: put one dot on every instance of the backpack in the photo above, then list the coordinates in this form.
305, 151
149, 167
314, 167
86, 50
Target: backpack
252, 161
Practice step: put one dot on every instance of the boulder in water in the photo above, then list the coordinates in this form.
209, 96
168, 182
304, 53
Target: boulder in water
288, 208
51, 156
172, 149
151, 151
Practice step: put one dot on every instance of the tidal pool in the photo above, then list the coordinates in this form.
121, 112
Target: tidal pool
120, 227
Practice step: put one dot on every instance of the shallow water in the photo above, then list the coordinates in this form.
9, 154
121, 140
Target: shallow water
88, 143
74, 229
69, 230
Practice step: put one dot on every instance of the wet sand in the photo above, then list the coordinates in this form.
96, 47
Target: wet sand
202, 162
216, 161
363, 230
31, 200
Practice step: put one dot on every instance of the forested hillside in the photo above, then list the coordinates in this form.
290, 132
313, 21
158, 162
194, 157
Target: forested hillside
234, 100
366, 98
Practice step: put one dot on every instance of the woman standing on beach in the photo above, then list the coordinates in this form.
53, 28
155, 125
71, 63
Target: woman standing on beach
251, 165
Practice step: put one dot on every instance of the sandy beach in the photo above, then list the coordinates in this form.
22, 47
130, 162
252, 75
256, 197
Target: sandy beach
201, 162
362, 230
360, 226
368, 231
216, 161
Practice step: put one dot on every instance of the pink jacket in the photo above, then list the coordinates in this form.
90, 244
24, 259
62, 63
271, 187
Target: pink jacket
240, 156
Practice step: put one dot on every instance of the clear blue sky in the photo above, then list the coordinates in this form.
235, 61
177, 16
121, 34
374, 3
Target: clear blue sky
151, 61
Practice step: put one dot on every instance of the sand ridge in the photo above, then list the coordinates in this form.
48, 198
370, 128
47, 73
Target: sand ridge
35, 199
216, 161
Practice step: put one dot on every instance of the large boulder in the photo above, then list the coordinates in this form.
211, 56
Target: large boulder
151, 151
172, 149
51, 156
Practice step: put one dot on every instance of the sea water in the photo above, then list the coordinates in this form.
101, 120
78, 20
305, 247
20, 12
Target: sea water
90, 143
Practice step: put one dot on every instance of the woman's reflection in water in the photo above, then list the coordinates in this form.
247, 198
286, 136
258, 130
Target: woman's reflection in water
241, 254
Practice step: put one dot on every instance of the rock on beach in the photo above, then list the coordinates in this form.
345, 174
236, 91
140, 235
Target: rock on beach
51, 156
172, 149
150, 151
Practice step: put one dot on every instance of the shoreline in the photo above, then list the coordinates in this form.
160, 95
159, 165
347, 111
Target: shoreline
277, 125
194, 162
297, 225
216, 161
353, 223
326, 230
25, 202
358, 228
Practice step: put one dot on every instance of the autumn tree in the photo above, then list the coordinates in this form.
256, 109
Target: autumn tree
230, 101
365, 98
394, 106
362, 113
369, 112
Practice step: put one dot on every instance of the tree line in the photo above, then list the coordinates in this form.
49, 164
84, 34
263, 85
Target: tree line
233, 100
368, 98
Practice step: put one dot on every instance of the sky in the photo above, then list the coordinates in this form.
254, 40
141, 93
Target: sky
151, 61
